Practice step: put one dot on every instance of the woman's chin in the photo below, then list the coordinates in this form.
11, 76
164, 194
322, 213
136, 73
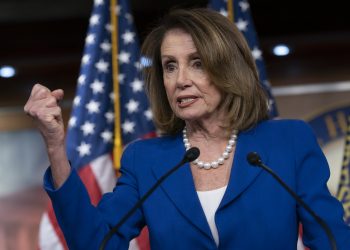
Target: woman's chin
190, 117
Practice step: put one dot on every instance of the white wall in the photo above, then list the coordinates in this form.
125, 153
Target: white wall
23, 160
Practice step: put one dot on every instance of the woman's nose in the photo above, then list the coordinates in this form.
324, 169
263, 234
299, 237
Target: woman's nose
183, 79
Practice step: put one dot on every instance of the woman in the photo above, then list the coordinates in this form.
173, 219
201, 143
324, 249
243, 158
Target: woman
204, 91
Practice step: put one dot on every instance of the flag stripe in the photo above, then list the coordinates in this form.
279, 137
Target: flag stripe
89, 179
104, 172
48, 236
56, 227
143, 241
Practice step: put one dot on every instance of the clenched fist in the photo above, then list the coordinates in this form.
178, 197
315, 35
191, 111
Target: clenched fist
43, 107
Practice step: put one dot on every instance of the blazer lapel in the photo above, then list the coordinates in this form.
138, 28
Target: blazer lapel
243, 174
179, 186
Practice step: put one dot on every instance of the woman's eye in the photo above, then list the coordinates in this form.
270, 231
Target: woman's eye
169, 67
197, 64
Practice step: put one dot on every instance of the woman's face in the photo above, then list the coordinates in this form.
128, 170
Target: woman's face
190, 92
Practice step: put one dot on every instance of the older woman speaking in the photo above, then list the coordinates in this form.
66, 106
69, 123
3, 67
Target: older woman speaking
204, 91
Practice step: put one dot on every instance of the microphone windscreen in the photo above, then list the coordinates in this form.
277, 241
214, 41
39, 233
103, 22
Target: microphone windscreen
254, 158
192, 154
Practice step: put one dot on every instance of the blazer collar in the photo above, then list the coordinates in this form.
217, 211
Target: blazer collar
179, 186
242, 173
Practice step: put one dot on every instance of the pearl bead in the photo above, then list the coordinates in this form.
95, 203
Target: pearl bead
234, 137
200, 164
207, 165
225, 155
231, 142
214, 164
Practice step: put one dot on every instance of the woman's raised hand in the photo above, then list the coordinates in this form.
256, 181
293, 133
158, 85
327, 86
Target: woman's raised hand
43, 107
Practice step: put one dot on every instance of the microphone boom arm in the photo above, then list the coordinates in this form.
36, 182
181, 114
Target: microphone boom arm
254, 159
190, 155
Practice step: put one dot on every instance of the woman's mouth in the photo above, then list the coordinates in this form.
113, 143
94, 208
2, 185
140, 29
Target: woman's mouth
184, 102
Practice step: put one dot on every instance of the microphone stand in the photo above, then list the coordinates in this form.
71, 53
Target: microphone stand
189, 156
254, 159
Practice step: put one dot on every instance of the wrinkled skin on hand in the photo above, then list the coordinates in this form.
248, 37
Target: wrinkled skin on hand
44, 109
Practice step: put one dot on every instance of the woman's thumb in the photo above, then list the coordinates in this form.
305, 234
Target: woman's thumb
58, 94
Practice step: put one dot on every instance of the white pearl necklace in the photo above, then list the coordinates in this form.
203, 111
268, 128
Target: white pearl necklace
220, 161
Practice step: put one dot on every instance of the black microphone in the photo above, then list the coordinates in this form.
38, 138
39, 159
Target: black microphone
189, 156
254, 159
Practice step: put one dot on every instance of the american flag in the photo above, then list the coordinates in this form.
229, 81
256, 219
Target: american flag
240, 10
91, 125
343, 193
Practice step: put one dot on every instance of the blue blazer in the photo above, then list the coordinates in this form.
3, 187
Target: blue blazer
255, 212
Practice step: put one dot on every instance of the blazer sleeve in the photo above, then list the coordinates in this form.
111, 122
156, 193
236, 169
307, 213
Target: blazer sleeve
84, 225
312, 176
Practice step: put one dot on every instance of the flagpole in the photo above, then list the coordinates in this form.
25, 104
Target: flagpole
230, 10
117, 149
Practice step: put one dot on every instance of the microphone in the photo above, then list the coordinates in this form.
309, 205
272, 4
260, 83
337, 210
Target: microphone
189, 156
254, 159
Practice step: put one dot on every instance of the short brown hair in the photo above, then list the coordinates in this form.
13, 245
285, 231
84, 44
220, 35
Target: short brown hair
227, 60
